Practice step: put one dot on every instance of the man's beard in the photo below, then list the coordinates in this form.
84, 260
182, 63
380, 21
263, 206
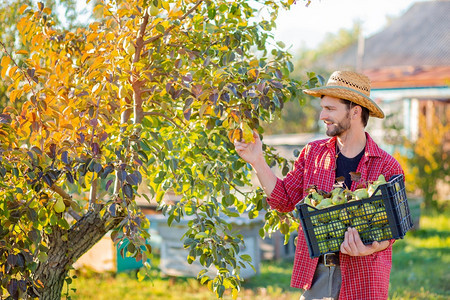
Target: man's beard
340, 127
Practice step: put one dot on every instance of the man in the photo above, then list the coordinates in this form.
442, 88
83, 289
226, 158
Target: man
359, 271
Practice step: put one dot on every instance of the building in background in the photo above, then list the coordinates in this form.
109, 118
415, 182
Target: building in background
409, 66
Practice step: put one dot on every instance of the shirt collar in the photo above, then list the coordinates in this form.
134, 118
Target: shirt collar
372, 148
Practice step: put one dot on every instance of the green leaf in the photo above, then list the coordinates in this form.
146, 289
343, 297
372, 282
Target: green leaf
201, 235
246, 257
220, 291
160, 28
128, 190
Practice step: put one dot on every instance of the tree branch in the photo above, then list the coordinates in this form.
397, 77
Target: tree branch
61, 192
148, 113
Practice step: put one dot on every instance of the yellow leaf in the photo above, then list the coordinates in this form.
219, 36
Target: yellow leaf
22, 8
165, 5
235, 134
24, 52
254, 63
109, 36
15, 95
122, 12
253, 73
84, 57
91, 37
5, 63
26, 88
41, 72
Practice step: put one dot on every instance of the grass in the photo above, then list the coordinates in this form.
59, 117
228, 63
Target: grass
420, 271
421, 262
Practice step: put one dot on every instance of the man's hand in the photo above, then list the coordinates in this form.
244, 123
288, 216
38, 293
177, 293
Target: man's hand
253, 154
250, 152
353, 245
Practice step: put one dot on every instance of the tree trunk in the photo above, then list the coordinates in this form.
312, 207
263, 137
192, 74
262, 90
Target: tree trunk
62, 254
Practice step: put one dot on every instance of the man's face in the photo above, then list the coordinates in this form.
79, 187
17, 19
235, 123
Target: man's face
335, 115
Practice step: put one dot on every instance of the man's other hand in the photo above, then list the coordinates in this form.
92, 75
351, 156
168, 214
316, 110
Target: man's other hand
353, 245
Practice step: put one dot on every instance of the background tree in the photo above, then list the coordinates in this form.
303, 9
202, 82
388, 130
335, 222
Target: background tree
426, 161
9, 14
154, 90
301, 116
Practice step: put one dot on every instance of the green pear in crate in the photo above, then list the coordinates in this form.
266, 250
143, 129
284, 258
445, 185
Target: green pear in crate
373, 186
320, 232
334, 245
338, 196
368, 210
358, 194
345, 216
334, 215
315, 220
316, 198
380, 218
360, 224
336, 229
324, 218
377, 234
387, 233
323, 247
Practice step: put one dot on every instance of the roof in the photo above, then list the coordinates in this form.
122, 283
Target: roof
414, 50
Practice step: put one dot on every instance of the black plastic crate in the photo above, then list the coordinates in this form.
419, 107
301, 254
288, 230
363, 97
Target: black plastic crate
381, 217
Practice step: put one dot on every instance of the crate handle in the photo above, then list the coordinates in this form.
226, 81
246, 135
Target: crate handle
303, 203
389, 183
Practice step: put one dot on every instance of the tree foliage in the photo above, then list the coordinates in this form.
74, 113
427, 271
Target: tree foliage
151, 92
302, 116
427, 161
9, 14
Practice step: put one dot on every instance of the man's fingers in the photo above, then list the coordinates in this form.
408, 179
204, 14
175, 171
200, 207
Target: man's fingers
255, 134
344, 246
351, 241
240, 145
357, 239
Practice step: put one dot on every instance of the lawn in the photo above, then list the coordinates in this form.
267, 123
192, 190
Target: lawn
421, 262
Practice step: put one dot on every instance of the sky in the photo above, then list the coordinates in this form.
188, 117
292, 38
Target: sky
307, 26
303, 26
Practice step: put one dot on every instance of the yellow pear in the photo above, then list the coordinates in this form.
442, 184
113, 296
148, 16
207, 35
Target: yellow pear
154, 10
59, 206
247, 133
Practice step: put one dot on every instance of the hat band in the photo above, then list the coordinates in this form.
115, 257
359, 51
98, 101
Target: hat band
346, 88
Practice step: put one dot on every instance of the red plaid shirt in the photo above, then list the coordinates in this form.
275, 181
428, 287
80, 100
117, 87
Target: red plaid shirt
363, 277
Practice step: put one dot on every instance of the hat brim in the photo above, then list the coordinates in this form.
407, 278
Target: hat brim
347, 94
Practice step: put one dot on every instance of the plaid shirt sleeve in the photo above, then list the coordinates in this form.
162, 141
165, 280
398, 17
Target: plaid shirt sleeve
288, 192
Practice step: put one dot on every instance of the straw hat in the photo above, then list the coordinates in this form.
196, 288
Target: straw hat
350, 86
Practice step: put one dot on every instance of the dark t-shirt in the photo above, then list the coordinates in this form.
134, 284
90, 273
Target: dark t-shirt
345, 165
